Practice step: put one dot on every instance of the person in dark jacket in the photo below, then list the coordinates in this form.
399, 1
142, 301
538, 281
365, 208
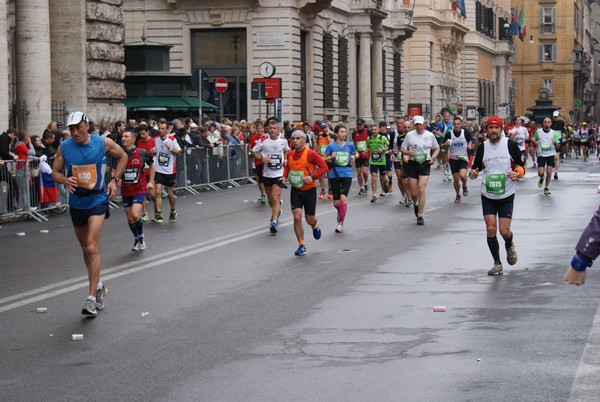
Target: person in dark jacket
6, 141
586, 251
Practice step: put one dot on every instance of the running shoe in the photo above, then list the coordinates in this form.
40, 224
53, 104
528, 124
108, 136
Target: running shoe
547, 191
317, 233
273, 227
158, 218
374, 199
389, 189
145, 217
322, 195
420, 221
340, 228
361, 192
136, 244
382, 194
465, 191
511, 254
301, 250
555, 175
141, 242
409, 203
263, 199
496, 269
404, 200
457, 199
89, 308
100, 295
330, 194
540, 182
173, 216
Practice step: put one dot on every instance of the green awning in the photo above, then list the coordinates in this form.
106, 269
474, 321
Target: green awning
166, 103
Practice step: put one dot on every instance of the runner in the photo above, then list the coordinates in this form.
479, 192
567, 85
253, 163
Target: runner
303, 168
440, 131
378, 145
546, 140
324, 139
167, 149
500, 162
532, 129
144, 141
520, 135
390, 135
417, 145
459, 141
273, 151
135, 186
258, 136
559, 127
340, 155
360, 135
84, 157
396, 157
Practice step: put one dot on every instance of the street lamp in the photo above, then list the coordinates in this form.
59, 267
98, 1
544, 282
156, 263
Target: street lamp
531, 39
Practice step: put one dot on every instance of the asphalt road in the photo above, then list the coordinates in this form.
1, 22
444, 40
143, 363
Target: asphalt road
233, 315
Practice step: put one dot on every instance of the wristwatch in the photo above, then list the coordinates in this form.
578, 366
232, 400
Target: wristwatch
116, 179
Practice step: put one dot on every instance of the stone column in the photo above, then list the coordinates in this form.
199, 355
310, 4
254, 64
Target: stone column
377, 77
364, 76
4, 101
352, 74
502, 85
33, 62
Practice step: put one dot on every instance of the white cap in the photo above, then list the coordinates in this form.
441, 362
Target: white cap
556, 113
76, 118
418, 120
193, 125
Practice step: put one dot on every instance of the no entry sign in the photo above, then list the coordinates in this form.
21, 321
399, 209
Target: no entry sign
221, 85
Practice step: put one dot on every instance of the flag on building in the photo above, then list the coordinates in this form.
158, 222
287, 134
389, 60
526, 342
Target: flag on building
522, 27
514, 26
460, 6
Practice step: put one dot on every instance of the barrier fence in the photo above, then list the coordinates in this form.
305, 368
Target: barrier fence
27, 189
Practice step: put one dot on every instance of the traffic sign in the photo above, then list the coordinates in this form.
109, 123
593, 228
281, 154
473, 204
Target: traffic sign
221, 85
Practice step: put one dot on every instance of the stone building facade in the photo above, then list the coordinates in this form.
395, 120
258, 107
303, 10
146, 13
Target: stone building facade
61, 56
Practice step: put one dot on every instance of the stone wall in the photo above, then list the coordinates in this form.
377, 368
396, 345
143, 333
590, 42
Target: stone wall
4, 102
105, 57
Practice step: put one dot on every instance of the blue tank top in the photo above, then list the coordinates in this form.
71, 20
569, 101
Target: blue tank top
87, 162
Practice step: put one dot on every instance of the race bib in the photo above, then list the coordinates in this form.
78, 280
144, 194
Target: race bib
163, 159
420, 156
275, 161
295, 178
545, 146
86, 175
496, 183
131, 176
375, 156
322, 148
519, 140
342, 158
361, 146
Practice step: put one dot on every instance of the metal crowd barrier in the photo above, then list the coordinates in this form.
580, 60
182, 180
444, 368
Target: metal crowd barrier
26, 191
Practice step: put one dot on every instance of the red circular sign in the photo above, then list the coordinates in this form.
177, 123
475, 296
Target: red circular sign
221, 85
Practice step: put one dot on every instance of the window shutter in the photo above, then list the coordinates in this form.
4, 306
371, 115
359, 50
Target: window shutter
554, 52
553, 20
541, 52
541, 20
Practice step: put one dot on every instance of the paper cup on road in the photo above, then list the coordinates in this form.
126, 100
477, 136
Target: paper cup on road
42, 309
77, 337
44, 231
144, 314
439, 309
21, 234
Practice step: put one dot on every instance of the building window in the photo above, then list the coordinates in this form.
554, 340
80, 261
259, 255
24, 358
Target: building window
576, 56
219, 47
343, 73
547, 83
327, 71
547, 20
547, 52
431, 55
397, 81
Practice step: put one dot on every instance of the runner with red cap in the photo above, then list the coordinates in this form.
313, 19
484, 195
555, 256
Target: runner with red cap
500, 162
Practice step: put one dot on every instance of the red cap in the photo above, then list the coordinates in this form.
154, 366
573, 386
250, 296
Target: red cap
494, 121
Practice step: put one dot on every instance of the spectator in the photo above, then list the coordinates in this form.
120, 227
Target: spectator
6, 140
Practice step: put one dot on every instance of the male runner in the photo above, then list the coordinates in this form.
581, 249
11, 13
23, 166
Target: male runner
418, 145
378, 145
144, 141
84, 157
258, 165
167, 148
272, 151
459, 141
303, 168
545, 139
359, 138
500, 162
135, 186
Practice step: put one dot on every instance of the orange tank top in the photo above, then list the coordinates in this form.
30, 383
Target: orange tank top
301, 165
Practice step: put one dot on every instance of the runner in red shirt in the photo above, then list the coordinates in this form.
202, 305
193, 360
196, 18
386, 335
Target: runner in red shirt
259, 135
134, 186
144, 141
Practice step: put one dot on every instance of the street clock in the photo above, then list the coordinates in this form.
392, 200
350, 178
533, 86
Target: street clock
266, 69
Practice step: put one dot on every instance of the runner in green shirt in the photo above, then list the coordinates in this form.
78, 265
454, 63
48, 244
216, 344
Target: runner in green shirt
378, 145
